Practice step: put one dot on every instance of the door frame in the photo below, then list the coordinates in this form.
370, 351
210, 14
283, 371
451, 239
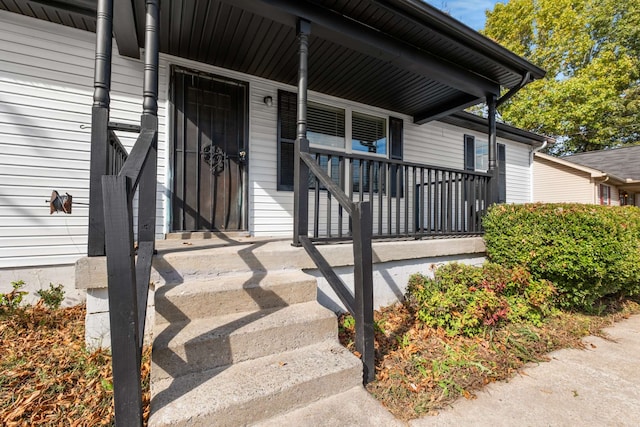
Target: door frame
171, 123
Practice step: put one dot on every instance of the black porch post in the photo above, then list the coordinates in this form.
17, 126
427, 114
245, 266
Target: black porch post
99, 123
493, 150
148, 180
301, 171
149, 121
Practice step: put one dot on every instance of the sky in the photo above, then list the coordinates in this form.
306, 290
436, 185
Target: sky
469, 12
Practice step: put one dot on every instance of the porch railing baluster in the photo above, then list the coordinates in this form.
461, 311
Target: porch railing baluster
381, 188
316, 206
449, 197
397, 181
389, 169
420, 207
406, 200
329, 216
341, 173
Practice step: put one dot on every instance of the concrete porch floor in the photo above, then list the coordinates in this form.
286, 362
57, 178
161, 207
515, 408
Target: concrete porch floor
214, 253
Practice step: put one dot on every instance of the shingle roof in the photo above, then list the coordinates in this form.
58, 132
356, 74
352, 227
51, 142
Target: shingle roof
620, 162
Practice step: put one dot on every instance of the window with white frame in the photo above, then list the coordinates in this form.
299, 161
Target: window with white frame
476, 154
327, 126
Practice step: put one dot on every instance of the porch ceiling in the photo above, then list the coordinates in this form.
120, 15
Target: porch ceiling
401, 55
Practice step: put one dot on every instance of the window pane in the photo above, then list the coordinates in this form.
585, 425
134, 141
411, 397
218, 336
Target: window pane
605, 194
325, 125
368, 134
482, 156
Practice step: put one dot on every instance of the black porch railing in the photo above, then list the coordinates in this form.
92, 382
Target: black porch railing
128, 277
408, 200
360, 303
115, 178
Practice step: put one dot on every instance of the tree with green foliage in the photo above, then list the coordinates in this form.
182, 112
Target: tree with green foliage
590, 98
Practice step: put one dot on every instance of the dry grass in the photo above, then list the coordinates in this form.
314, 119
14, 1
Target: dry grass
48, 378
420, 370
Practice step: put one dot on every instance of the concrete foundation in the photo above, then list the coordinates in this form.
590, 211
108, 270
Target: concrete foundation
97, 330
389, 278
40, 277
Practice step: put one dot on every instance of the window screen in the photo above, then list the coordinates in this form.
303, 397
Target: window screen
368, 134
325, 125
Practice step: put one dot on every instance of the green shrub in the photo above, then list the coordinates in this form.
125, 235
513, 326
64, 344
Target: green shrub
588, 251
52, 297
466, 300
10, 302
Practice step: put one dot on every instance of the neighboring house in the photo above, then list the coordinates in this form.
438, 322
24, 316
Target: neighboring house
227, 80
605, 177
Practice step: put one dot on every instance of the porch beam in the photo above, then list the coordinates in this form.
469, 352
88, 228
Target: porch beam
301, 170
124, 29
331, 26
446, 108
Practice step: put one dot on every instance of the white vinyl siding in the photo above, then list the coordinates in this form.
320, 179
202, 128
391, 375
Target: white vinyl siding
46, 95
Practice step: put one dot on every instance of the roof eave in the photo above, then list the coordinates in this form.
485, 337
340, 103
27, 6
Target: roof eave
444, 22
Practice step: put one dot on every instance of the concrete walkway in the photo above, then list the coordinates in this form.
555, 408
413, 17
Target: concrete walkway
597, 386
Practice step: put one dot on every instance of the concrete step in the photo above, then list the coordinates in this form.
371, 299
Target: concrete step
352, 408
186, 347
248, 392
226, 294
205, 259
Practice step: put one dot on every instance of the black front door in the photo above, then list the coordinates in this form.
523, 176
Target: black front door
209, 152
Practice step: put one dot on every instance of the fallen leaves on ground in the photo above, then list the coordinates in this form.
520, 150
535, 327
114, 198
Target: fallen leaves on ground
420, 370
47, 377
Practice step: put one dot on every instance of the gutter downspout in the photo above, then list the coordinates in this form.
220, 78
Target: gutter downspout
531, 160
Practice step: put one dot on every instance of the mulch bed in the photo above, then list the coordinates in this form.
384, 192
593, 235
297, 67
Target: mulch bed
47, 377
420, 370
